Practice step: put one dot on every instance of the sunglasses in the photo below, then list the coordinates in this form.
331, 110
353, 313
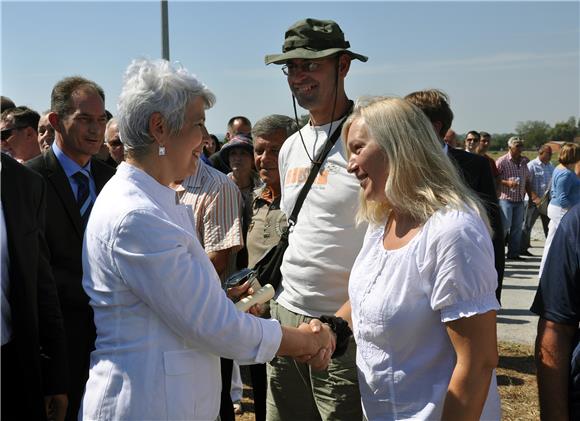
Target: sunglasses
307, 67
6, 133
115, 143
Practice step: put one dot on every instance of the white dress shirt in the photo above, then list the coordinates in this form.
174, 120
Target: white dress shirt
162, 319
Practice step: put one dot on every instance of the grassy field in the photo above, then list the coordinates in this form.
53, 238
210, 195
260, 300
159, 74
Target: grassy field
530, 154
516, 378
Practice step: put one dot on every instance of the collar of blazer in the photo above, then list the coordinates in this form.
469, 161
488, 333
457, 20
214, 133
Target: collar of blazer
100, 172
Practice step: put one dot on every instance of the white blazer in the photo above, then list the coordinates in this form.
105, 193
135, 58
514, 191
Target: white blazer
162, 318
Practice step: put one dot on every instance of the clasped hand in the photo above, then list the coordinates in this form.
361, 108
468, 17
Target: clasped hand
320, 340
322, 344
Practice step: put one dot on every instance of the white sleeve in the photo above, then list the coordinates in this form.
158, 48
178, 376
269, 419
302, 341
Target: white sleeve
159, 263
459, 265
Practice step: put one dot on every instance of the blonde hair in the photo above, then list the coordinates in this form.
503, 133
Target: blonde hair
569, 154
421, 179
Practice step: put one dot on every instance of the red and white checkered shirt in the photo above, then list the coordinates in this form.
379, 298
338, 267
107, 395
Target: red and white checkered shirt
508, 169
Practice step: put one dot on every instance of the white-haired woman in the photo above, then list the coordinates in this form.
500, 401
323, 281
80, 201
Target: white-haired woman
422, 289
162, 319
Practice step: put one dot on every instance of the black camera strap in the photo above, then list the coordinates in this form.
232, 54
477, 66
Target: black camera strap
330, 142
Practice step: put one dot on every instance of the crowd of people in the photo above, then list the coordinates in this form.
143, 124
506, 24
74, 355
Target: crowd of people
120, 237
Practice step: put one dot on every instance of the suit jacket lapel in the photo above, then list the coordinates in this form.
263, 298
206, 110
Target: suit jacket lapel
61, 185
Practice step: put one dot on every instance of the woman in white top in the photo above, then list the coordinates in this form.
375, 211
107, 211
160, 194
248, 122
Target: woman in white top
162, 318
422, 289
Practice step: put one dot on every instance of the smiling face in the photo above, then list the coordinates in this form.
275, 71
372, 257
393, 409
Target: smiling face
368, 162
266, 150
81, 133
314, 90
184, 149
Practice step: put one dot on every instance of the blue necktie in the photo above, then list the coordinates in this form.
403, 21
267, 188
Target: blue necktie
83, 196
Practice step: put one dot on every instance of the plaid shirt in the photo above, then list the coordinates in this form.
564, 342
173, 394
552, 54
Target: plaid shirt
540, 174
508, 169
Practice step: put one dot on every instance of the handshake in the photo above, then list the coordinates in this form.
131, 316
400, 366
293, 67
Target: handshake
317, 342
313, 343
320, 344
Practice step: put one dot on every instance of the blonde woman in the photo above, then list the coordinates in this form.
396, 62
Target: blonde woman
422, 289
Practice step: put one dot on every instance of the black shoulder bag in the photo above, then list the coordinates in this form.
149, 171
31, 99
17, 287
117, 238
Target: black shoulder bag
267, 270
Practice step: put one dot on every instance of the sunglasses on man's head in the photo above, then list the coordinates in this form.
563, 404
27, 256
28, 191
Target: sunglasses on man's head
6, 133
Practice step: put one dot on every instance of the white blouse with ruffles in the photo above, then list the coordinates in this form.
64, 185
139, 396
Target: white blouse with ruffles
401, 300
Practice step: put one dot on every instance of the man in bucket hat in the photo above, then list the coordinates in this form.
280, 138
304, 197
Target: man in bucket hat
325, 241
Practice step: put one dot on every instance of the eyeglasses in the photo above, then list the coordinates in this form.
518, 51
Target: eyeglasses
6, 133
306, 67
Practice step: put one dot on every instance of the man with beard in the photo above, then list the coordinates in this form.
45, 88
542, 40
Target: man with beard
325, 240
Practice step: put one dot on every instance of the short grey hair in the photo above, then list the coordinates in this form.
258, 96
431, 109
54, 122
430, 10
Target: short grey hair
272, 123
155, 86
112, 120
515, 139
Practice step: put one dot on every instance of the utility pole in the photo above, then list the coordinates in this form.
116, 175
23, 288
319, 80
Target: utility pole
164, 31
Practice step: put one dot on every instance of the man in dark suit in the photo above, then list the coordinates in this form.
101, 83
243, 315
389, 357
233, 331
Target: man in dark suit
73, 179
474, 168
33, 340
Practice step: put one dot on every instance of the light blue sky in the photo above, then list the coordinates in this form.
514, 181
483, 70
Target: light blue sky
500, 62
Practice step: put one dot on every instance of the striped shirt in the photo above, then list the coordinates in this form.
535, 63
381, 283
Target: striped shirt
217, 210
510, 170
540, 174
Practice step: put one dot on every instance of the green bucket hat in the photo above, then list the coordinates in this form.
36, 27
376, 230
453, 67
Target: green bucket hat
311, 39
